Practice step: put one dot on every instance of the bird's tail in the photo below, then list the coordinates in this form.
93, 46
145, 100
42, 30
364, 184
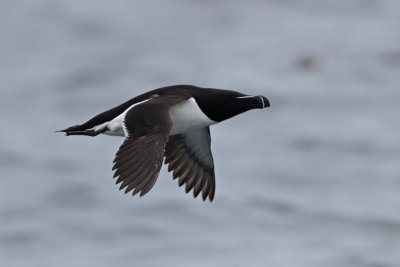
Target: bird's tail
80, 130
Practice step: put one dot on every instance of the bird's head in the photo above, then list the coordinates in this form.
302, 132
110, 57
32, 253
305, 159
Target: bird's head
220, 105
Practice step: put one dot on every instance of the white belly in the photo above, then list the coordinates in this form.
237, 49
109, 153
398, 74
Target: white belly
116, 127
187, 116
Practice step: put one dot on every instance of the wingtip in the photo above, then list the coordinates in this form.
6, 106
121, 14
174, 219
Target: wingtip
209, 197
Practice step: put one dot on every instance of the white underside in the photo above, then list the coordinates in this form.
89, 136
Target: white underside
116, 126
185, 116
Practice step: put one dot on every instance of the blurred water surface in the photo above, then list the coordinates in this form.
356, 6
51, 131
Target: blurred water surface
312, 181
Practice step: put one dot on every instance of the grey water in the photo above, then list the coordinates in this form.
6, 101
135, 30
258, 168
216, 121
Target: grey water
314, 180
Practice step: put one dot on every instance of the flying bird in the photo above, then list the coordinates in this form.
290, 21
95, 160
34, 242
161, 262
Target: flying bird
171, 122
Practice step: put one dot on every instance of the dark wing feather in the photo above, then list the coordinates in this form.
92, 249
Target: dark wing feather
189, 156
138, 160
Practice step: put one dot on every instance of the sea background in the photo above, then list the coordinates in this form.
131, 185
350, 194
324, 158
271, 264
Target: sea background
314, 180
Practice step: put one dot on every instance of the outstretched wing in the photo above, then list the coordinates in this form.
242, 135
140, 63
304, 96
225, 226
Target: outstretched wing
139, 159
189, 156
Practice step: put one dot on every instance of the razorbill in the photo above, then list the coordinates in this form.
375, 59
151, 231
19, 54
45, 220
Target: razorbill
171, 122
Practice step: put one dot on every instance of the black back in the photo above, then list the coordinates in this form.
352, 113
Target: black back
217, 104
114, 112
